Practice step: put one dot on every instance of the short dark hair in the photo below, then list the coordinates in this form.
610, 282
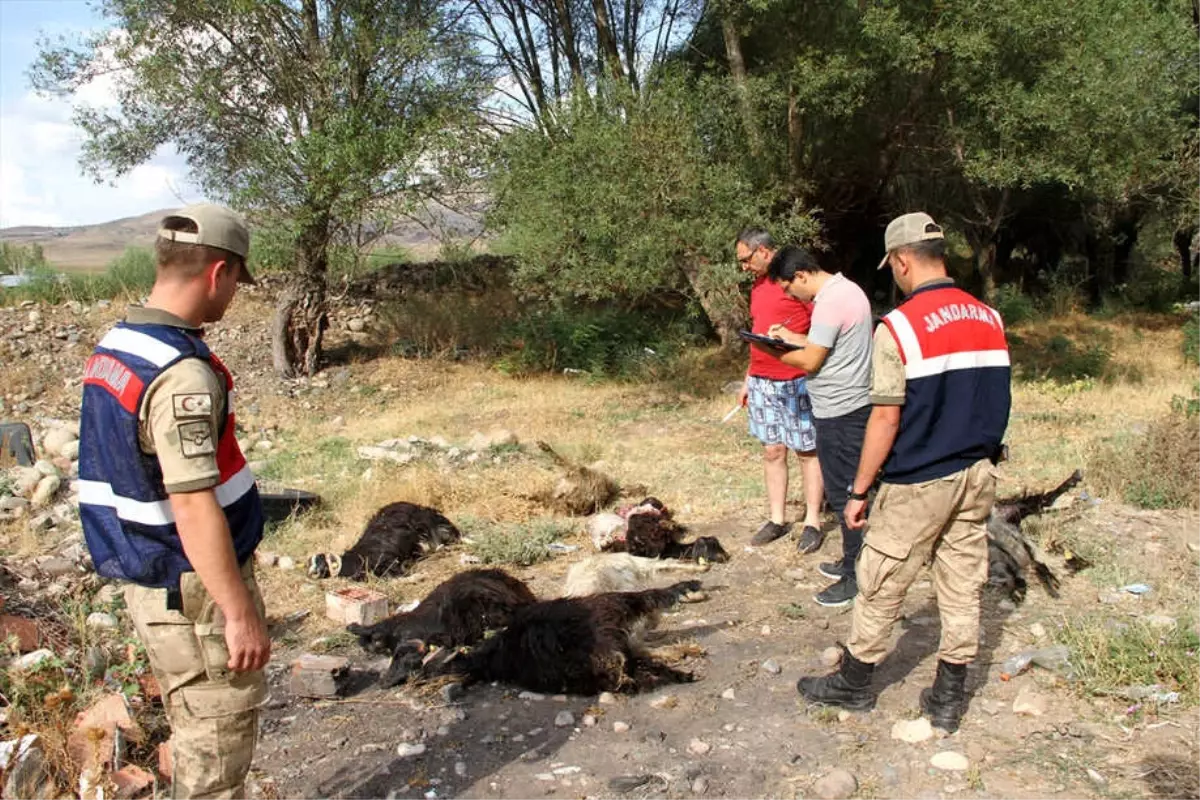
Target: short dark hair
755, 238
790, 260
928, 250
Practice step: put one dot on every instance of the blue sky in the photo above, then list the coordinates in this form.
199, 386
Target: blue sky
40, 179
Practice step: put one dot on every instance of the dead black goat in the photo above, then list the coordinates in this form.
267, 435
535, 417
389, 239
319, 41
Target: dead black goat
576, 645
458, 612
396, 536
1010, 554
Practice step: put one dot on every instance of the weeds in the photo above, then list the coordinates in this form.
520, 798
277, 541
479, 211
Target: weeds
1191, 342
1108, 655
1159, 469
510, 543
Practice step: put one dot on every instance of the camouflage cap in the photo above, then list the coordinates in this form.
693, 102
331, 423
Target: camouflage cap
909, 229
216, 226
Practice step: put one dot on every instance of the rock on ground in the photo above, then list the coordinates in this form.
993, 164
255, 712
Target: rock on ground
912, 730
838, 784
950, 760
831, 656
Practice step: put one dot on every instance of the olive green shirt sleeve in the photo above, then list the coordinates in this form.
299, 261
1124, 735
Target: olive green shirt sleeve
887, 370
179, 422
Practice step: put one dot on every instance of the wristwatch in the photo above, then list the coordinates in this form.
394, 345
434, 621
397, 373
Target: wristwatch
856, 495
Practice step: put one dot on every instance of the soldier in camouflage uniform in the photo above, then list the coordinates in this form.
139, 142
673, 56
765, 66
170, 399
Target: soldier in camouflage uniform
169, 504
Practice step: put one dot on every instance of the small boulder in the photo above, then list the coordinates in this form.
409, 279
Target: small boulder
912, 730
70, 450
31, 660
837, 784
44, 493
606, 698
699, 747
950, 761
771, 667
54, 440
620, 727
564, 719
101, 621
407, 750
831, 656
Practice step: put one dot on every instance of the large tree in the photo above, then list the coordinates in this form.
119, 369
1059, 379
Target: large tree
315, 114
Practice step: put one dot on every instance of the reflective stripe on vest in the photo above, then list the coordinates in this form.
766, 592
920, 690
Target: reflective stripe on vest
158, 512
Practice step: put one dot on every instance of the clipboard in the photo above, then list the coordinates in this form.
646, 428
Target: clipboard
767, 341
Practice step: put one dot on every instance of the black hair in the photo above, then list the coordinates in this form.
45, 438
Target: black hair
790, 260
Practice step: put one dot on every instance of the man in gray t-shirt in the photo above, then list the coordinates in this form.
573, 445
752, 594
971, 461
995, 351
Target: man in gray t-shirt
837, 357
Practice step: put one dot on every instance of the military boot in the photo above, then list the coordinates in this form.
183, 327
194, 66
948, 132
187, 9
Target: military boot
849, 687
946, 702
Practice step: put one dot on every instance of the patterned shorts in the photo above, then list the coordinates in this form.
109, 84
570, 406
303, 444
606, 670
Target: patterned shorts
781, 413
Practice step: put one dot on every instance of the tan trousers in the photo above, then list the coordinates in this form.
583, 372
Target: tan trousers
212, 710
945, 519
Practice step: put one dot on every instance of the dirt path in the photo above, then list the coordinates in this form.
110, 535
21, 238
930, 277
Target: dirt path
739, 731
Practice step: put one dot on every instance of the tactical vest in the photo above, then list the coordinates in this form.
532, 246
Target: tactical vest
127, 519
957, 391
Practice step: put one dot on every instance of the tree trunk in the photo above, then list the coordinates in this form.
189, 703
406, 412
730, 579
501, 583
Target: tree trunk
795, 131
562, 13
737, 69
722, 303
300, 315
606, 42
983, 260
1183, 245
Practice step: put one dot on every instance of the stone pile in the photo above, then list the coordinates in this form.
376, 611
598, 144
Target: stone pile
407, 450
46, 494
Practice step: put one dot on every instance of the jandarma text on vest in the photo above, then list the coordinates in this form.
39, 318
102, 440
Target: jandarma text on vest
955, 312
107, 370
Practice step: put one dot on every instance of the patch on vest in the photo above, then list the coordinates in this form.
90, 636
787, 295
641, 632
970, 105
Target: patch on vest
191, 406
196, 439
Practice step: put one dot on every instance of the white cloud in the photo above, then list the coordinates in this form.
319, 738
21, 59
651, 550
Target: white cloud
40, 179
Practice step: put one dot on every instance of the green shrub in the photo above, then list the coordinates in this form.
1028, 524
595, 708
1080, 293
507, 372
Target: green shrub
1059, 359
601, 342
1191, 342
1014, 305
130, 274
16, 259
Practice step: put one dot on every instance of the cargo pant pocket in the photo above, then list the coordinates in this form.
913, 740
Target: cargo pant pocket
244, 691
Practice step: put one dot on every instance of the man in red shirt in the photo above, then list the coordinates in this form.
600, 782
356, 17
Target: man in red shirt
776, 398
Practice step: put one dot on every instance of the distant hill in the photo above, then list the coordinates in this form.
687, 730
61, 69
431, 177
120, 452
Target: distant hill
92, 247
87, 247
